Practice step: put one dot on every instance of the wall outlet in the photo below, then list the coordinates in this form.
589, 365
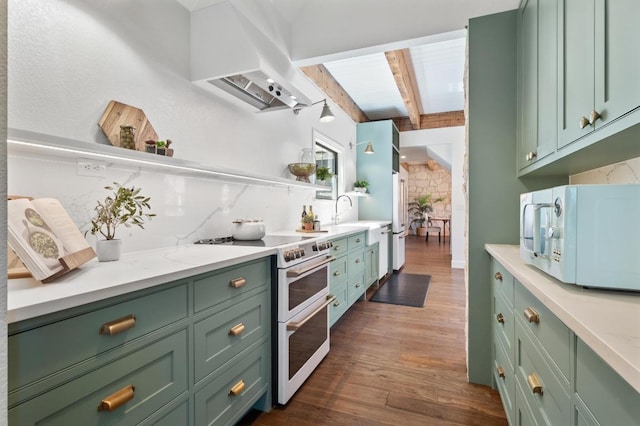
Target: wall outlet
91, 168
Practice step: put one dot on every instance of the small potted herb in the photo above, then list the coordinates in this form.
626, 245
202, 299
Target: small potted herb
360, 186
307, 222
161, 148
124, 207
150, 146
323, 174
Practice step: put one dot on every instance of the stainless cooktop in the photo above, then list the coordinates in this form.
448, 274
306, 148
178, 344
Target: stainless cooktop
266, 241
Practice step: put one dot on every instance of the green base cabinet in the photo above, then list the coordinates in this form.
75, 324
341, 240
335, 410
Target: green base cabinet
371, 263
192, 352
348, 273
551, 377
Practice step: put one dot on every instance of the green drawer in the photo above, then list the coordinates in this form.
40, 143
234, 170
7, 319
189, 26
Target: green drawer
356, 241
504, 378
355, 262
503, 324
214, 340
553, 335
502, 281
356, 287
340, 247
338, 270
608, 396
220, 286
157, 372
81, 336
341, 304
216, 405
523, 412
552, 405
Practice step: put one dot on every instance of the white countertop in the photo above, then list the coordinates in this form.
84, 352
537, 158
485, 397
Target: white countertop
93, 281
607, 321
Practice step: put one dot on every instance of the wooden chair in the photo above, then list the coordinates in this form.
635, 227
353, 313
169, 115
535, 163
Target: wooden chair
431, 228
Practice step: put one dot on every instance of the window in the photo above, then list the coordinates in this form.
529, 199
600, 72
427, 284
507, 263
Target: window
328, 166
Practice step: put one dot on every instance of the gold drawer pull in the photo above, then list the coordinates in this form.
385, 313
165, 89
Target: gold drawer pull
237, 388
498, 276
500, 318
236, 329
500, 371
115, 400
336, 273
336, 303
357, 240
531, 315
534, 383
238, 282
118, 326
336, 248
357, 285
358, 260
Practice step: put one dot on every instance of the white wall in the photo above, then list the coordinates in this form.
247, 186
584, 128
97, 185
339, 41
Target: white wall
68, 58
453, 136
620, 173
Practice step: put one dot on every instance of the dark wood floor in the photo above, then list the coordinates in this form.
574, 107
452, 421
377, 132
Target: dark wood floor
397, 365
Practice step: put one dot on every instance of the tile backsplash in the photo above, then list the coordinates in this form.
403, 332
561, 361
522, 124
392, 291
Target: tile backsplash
627, 171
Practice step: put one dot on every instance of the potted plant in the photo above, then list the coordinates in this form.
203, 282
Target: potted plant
307, 222
360, 186
124, 207
323, 174
420, 207
161, 147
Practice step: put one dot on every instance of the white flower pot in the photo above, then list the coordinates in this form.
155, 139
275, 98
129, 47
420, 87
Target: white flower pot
108, 250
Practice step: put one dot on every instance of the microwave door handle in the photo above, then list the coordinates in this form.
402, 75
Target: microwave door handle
295, 326
536, 228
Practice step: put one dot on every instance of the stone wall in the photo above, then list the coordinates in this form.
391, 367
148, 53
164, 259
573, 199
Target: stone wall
437, 182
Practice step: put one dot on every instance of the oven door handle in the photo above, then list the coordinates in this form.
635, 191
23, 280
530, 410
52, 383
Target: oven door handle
295, 326
298, 272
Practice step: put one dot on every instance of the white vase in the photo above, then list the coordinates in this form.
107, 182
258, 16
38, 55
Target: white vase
108, 250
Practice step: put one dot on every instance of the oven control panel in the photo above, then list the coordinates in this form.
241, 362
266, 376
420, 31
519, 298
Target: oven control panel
322, 246
296, 254
291, 254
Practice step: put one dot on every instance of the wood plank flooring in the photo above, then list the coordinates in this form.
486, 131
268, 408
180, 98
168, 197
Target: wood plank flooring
396, 365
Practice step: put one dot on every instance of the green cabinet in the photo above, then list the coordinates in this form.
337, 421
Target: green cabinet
377, 169
598, 74
550, 376
347, 273
537, 81
371, 262
191, 352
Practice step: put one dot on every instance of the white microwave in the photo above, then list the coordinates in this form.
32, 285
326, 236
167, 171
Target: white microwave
584, 234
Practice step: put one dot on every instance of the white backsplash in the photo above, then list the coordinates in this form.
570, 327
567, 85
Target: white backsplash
620, 173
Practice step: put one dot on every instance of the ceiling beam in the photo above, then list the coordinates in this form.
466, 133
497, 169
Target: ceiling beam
400, 71
325, 81
432, 121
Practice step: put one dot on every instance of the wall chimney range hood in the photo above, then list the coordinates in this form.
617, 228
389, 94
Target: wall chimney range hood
229, 54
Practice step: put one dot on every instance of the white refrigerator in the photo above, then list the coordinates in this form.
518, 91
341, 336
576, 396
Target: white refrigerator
398, 223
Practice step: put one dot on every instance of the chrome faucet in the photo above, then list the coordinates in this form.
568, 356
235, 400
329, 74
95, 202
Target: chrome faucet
335, 218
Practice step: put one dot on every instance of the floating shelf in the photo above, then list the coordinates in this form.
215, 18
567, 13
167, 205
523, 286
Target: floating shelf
26, 142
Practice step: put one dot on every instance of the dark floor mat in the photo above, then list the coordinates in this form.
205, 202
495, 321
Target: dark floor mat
404, 289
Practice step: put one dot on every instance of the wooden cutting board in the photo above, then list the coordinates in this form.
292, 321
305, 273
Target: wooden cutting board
118, 114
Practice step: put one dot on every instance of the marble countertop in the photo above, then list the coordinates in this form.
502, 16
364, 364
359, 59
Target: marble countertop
607, 321
93, 281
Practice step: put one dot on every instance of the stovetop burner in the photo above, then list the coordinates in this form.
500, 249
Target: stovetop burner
266, 241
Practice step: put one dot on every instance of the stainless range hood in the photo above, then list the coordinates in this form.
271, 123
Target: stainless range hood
229, 54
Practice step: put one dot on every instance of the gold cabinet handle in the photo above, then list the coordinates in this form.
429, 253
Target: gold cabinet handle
336, 303
500, 318
238, 282
534, 383
237, 388
500, 371
593, 116
118, 326
584, 122
236, 330
336, 273
357, 285
530, 156
117, 399
498, 276
531, 315
358, 260
357, 240
336, 248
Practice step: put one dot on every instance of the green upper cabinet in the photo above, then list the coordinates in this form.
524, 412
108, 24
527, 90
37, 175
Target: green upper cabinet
377, 168
537, 80
598, 75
